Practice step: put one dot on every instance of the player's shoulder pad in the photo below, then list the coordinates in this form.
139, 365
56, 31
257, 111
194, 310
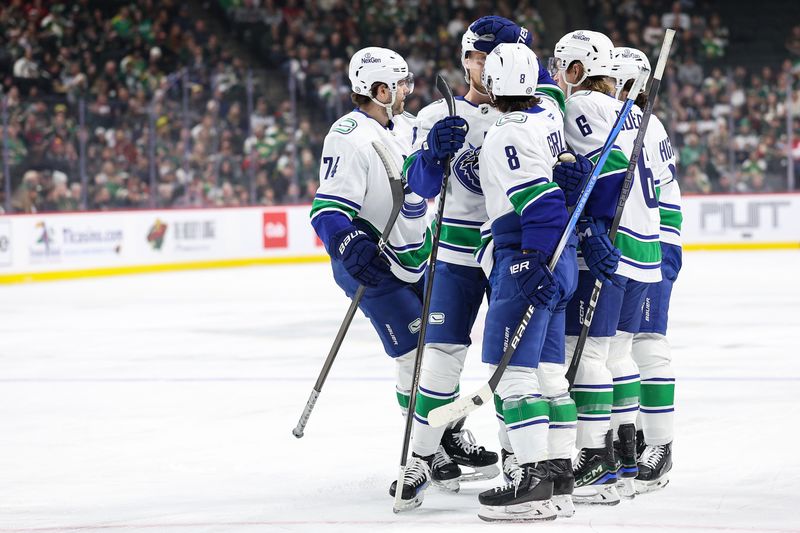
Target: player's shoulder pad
432, 112
345, 125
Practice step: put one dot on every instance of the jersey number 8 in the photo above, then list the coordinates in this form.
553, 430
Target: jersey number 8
511, 154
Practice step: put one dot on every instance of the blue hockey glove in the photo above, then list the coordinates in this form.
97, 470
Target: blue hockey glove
445, 138
534, 280
599, 254
493, 30
571, 173
360, 256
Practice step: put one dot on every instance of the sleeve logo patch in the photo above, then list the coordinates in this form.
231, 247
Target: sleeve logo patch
345, 126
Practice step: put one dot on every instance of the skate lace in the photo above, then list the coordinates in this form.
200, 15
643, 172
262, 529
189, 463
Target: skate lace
510, 464
466, 441
652, 455
580, 460
416, 471
441, 458
515, 473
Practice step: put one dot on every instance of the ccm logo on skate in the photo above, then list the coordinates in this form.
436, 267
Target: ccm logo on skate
519, 267
275, 230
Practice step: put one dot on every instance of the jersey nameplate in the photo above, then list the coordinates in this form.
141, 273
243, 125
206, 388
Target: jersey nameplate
345, 126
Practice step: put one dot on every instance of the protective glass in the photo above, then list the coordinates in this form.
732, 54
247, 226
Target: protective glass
555, 65
407, 82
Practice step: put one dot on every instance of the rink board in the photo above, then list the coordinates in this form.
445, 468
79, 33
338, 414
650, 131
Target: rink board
69, 245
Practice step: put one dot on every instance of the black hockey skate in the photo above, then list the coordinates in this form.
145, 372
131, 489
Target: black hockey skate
437, 469
596, 475
563, 485
625, 453
654, 466
640, 445
525, 499
460, 445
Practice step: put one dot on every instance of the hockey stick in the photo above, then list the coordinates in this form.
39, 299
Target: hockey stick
627, 185
447, 93
398, 195
466, 404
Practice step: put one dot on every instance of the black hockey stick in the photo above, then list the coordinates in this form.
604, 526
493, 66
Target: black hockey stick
447, 93
627, 185
398, 195
466, 404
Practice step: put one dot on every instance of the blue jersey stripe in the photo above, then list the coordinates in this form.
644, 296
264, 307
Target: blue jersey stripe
339, 199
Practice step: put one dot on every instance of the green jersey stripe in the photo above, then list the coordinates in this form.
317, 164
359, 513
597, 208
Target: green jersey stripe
617, 161
461, 236
523, 198
639, 251
626, 394
671, 218
319, 206
554, 92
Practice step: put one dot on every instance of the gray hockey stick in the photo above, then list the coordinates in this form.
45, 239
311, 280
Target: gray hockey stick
447, 93
398, 195
623, 197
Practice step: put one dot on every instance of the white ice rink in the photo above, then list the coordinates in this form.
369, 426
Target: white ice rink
166, 402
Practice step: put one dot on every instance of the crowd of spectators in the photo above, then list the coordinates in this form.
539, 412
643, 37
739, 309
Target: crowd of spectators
128, 69
145, 78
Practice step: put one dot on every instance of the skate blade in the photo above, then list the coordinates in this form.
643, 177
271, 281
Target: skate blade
563, 505
479, 473
625, 488
643, 487
449, 485
536, 511
596, 495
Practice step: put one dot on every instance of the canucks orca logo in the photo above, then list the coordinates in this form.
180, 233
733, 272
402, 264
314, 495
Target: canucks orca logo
466, 169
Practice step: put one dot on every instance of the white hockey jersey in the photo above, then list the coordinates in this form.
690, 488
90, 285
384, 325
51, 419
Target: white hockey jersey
517, 161
462, 240
353, 181
464, 210
589, 118
663, 165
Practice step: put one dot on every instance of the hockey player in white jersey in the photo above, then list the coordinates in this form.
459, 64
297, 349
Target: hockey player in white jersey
651, 350
606, 388
460, 283
354, 200
527, 215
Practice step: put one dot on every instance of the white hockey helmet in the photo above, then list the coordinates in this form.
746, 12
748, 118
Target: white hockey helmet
374, 64
626, 65
591, 49
511, 70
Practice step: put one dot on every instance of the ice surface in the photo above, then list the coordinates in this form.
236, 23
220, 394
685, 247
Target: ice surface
166, 402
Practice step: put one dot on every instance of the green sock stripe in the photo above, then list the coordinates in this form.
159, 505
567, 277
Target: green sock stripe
498, 405
657, 395
426, 404
515, 411
593, 402
626, 393
563, 412
403, 399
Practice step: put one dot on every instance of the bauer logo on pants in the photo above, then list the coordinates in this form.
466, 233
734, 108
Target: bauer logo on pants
275, 230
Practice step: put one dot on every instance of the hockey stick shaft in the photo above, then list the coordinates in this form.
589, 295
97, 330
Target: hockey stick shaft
627, 185
463, 406
447, 93
396, 187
